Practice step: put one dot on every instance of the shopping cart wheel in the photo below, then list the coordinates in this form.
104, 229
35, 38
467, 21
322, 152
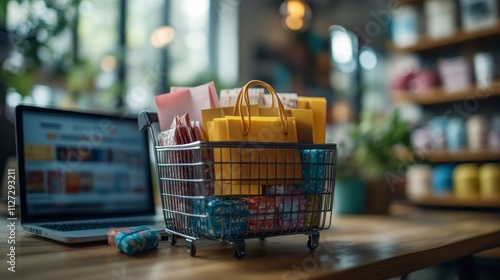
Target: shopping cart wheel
191, 247
192, 251
239, 249
172, 240
313, 241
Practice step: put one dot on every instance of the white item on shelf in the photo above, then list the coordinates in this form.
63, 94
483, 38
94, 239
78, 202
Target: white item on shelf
418, 181
455, 73
421, 140
405, 27
477, 132
478, 14
440, 18
483, 69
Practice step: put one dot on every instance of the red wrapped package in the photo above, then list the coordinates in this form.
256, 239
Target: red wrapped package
183, 131
178, 166
263, 214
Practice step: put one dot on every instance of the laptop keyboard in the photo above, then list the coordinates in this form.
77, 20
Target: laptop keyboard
85, 226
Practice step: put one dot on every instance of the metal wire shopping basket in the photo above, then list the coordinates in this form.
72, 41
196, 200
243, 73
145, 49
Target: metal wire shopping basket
232, 191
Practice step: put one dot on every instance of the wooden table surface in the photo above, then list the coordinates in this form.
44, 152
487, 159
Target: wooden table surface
356, 247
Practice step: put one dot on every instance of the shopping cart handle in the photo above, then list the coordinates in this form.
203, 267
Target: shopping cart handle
146, 119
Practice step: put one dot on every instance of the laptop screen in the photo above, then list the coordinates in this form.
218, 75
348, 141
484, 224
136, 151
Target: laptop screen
81, 165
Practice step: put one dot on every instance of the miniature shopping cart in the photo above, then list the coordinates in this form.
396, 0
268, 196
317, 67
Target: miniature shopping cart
232, 191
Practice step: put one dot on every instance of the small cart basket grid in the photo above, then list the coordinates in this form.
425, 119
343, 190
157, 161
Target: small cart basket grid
232, 191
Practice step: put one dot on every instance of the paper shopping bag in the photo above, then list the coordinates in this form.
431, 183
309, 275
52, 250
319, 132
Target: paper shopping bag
304, 120
254, 164
185, 100
318, 107
210, 114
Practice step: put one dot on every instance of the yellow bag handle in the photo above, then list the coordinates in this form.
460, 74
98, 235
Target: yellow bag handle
243, 95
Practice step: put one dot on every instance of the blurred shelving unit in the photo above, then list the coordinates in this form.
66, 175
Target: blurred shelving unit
464, 155
437, 100
439, 95
427, 44
448, 200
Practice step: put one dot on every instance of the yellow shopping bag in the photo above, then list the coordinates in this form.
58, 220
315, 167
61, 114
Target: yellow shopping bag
255, 164
318, 107
310, 117
304, 121
220, 112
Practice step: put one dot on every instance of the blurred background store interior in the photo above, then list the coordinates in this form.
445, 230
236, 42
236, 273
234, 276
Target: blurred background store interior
410, 85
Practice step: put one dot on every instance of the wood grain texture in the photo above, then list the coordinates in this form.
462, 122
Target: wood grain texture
356, 247
452, 201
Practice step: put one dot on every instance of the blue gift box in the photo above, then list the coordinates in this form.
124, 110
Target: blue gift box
136, 240
313, 171
221, 218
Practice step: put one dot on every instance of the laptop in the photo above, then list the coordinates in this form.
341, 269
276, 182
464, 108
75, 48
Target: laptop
81, 174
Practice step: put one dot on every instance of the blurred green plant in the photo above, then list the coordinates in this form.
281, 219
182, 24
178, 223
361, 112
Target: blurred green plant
34, 41
3, 13
346, 163
81, 76
371, 148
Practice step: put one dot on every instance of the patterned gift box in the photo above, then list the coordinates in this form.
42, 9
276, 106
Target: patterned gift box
289, 100
313, 171
228, 96
291, 204
112, 234
292, 211
263, 226
263, 214
136, 240
223, 218
282, 189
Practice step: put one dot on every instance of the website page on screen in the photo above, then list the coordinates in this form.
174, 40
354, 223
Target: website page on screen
86, 165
